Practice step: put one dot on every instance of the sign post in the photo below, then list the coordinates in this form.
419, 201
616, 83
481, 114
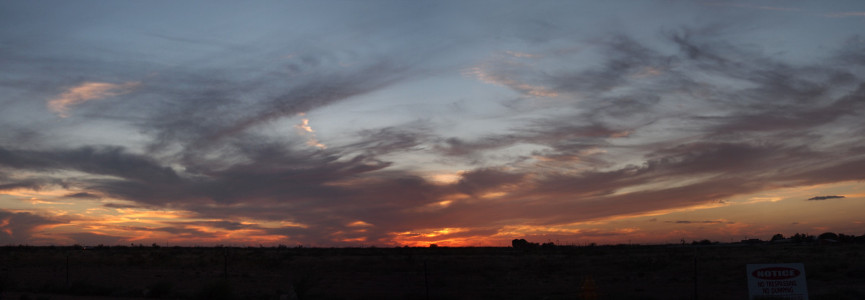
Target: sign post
777, 281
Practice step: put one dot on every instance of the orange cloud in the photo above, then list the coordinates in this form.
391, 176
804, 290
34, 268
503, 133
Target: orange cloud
306, 130
359, 224
88, 91
483, 75
137, 215
4, 224
445, 178
450, 236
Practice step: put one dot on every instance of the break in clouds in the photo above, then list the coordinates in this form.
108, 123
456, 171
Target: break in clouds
577, 128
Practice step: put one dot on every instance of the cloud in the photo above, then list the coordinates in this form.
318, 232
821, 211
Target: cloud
853, 51
242, 175
210, 113
19, 227
101, 160
759, 7
562, 136
29, 183
13, 181
304, 129
481, 181
391, 139
118, 205
626, 125
826, 197
486, 74
88, 91
82, 195
522, 54
701, 222
846, 14
624, 60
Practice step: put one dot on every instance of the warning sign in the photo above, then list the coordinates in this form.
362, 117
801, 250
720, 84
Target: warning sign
777, 281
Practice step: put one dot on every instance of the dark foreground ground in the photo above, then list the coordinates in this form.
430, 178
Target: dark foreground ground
617, 272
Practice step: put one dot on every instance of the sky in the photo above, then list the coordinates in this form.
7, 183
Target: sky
409, 123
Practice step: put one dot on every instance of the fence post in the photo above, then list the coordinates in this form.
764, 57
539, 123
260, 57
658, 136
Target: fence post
67, 269
426, 279
695, 273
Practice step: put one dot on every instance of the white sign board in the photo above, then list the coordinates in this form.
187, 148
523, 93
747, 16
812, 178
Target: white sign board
777, 281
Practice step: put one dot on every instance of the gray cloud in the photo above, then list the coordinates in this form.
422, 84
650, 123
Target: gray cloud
213, 110
826, 197
700, 222
18, 227
853, 51
116, 205
106, 160
82, 195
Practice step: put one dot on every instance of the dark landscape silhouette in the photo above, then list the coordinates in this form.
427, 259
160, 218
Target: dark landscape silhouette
527, 270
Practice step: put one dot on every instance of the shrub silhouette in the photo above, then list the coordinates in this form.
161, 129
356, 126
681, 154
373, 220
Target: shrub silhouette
523, 244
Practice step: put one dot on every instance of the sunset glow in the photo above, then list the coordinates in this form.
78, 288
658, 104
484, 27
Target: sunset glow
348, 124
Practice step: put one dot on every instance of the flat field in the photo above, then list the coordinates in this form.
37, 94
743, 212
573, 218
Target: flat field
599, 272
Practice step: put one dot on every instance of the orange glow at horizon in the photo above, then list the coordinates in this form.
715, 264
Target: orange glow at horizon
743, 218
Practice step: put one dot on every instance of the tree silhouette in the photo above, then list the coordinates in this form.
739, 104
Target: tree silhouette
828, 236
802, 237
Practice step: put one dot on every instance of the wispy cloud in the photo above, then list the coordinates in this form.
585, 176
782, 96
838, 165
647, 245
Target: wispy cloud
88, 91
701, 222
306, 130
82, 195
497, 73
522, 54
826, 197
846, 14
751, 6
